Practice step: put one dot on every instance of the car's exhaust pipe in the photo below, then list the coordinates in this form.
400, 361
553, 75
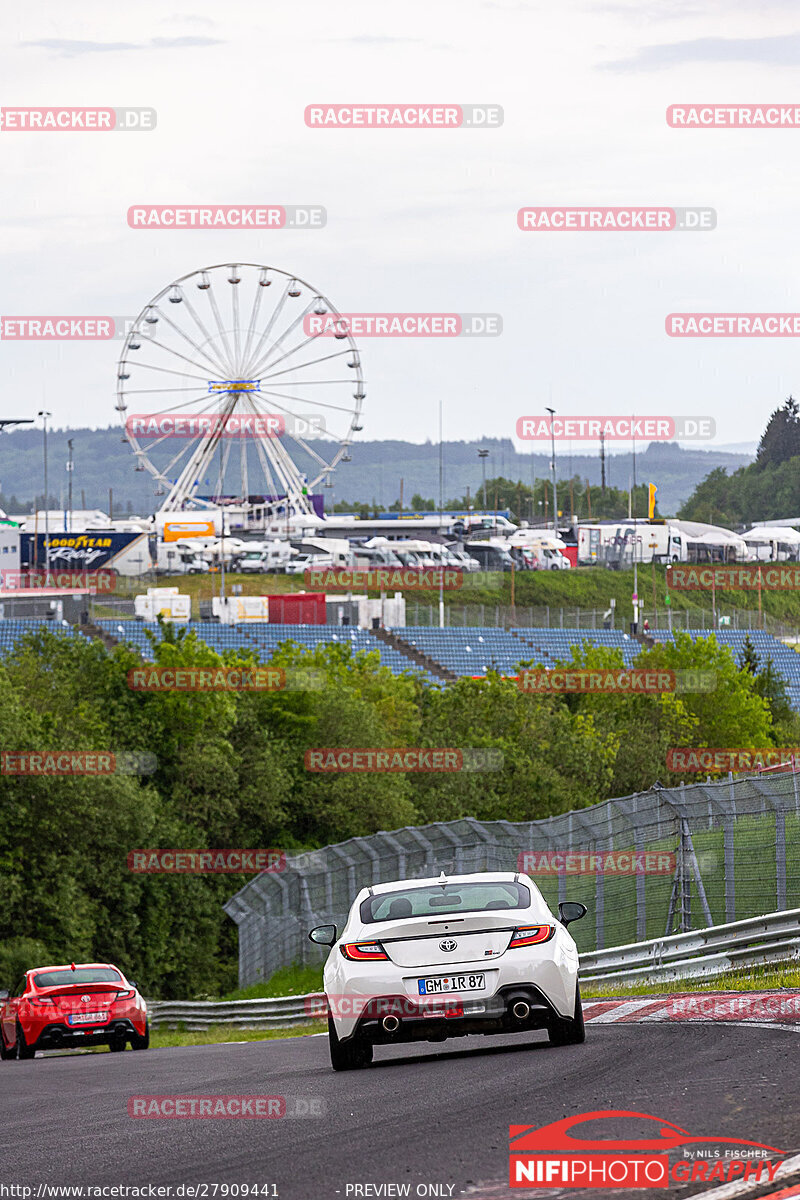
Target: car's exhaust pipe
391, 1024
520, 1010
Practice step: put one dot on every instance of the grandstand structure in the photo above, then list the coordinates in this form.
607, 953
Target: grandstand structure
438, 655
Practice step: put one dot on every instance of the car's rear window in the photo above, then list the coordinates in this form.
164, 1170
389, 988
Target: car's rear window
45, 979
439, 899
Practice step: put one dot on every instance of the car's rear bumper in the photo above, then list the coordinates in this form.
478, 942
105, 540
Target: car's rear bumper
58, 1034
491, 1015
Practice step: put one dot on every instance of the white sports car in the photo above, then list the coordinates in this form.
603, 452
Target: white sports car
428, 959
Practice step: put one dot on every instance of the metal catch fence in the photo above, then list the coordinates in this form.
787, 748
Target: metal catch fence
661, 862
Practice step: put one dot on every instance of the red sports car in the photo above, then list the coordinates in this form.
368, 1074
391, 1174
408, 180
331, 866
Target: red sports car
84, 1004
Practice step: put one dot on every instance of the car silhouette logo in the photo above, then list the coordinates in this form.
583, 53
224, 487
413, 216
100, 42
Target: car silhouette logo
447, 944
557, 1137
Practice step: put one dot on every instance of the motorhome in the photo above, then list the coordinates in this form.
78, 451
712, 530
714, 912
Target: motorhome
337, 550
492, 557
547, 551
375, 556
263, 557
180, 558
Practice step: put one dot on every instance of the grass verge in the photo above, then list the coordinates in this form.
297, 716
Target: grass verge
161, 1038
582, 588
289, 981
756, 979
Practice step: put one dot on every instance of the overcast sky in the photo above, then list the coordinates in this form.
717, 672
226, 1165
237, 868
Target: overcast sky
419, 221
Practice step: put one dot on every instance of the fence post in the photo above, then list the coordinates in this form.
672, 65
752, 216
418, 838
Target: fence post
599, 908
730, 882
684, 887
641, 911
780, 855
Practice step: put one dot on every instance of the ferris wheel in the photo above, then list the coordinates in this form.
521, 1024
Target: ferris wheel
229, 389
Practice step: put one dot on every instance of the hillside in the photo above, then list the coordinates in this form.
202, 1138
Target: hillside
103, 460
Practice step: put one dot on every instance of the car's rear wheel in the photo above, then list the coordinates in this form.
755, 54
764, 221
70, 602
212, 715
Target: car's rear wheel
348, 1056
23, 1049
569, 1031
141, 1041
6, 1052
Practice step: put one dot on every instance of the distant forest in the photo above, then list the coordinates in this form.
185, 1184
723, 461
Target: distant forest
374, 476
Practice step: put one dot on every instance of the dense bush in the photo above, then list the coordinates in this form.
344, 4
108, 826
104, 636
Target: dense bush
231, 773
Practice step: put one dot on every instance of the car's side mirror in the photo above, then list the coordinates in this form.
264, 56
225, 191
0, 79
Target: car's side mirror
571, 910
3, 994
323, 935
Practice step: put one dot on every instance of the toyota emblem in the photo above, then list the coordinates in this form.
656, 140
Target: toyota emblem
448, 944
85, 999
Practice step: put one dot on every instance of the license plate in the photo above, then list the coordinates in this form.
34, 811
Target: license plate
438, 984
86, 1018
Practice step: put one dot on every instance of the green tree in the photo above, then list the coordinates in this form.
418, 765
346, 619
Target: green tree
780, 440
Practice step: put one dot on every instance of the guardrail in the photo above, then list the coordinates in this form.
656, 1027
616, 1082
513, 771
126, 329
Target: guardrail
279, 1012
772, 938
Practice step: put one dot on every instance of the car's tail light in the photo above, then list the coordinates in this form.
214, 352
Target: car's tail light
364, 951
531, 935
43, 1000
124, 995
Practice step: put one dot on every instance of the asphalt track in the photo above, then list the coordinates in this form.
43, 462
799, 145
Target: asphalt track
420, 1115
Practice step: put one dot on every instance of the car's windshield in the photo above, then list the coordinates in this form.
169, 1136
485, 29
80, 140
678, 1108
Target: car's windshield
489, 896
45, 979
